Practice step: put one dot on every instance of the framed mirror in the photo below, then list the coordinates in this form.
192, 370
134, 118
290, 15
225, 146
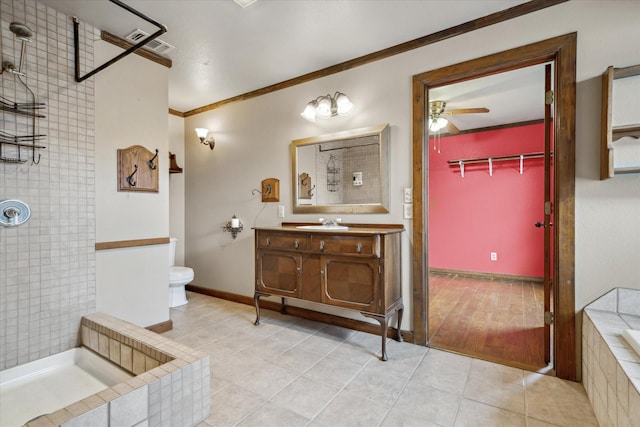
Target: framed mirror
620, 131
343, 172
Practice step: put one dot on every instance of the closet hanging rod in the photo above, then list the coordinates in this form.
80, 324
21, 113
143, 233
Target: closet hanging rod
496, 158
76, 39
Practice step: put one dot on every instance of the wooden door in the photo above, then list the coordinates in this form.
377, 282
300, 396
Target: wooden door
548, 210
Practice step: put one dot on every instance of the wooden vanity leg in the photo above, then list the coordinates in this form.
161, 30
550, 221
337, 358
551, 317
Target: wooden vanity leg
256, 302
384, 326
400, 311
283, 307
384, 323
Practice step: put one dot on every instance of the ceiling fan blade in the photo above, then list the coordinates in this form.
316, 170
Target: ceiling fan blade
467, 111
452, 129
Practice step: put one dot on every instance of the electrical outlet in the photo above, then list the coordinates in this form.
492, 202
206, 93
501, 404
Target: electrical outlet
408, 195
407, 210
280, 211
494, 256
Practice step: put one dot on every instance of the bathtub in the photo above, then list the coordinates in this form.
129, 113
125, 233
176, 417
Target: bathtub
611, 356
122, 375
46, 385
633, 339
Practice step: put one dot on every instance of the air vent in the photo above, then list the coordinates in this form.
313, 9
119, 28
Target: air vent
155, 45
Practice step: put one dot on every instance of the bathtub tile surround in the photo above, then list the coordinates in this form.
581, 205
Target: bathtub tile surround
610, 367
171, 386
47, 266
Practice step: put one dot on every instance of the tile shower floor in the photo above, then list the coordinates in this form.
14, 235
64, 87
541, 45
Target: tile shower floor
294, 372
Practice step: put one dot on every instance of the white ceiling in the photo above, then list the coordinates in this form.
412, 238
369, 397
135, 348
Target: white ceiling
224, 50
511, 97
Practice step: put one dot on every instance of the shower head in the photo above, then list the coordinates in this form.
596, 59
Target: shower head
21, 31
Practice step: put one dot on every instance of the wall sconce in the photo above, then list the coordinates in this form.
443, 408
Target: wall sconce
204, 138
234, 226
327, 106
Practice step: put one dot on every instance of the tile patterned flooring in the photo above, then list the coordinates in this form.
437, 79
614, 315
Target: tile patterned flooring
294, 372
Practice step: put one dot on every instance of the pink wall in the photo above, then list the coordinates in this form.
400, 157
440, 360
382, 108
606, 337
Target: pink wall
473, 216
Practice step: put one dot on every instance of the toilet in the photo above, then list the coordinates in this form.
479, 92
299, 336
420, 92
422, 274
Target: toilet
178, 277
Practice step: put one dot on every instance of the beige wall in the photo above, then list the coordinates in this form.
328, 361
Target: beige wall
254, 136
131, 109
176, 186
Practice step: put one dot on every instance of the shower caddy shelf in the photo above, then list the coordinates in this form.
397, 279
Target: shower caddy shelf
20, 141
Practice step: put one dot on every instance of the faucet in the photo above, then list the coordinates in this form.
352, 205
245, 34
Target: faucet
330, 222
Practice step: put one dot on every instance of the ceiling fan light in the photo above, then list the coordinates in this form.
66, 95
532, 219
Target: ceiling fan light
344, 105
324, 107
435, 124
309, 112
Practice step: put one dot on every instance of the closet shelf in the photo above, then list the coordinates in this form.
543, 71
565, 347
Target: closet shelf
462, 162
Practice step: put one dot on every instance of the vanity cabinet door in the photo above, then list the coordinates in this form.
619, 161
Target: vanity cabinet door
351, 282
278, 273
310, 284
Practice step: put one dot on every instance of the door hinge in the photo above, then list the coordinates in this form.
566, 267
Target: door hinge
548, 318
548, 97
547, 208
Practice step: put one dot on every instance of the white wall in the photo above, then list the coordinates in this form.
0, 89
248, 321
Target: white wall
131, 109
176, 186
254, 136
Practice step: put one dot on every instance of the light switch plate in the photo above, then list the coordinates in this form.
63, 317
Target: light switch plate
280, 211
408, 195
407, 210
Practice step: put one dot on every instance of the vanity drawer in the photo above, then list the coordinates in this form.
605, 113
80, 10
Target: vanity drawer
346, 245
283, 241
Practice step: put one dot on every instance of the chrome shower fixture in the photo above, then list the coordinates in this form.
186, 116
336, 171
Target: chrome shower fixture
21, 31
10, 68
24, 34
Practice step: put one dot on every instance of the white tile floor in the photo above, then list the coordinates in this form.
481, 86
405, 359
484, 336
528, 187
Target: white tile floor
294, 372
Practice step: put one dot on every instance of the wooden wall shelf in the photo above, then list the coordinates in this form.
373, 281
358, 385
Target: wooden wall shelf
173, 164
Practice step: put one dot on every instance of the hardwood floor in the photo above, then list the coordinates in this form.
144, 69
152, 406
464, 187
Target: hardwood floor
493, 319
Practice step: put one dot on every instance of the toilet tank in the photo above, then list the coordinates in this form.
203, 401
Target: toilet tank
172, 251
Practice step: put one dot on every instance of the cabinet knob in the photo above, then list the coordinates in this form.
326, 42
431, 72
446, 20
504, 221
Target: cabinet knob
268, 241
322, 245
359, 247
296, 244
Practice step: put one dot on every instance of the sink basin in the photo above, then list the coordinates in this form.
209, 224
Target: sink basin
323, 227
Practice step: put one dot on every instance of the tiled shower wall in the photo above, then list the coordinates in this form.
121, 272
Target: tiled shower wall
47, 266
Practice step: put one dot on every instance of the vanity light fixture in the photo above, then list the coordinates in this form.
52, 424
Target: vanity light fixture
327, 106
203, 135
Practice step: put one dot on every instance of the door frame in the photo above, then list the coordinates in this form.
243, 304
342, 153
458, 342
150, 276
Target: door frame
561, 51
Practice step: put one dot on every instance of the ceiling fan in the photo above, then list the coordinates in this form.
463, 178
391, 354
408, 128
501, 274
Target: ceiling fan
437, 109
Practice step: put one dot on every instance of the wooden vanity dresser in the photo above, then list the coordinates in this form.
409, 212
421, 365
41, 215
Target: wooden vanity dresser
355, 269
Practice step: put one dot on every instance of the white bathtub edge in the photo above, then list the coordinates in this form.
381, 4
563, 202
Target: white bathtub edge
633, 339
